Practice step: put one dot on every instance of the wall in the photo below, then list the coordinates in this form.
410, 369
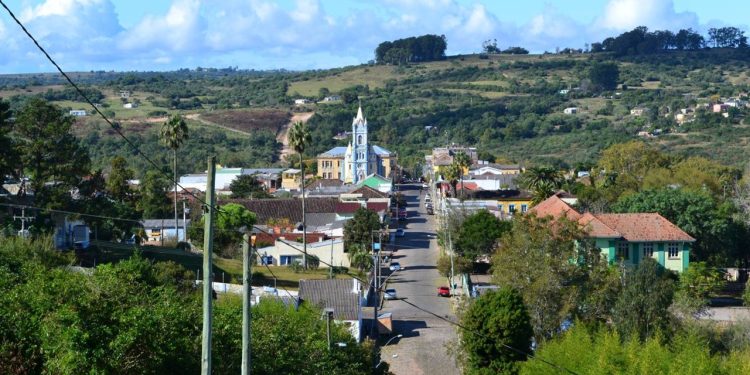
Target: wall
320, 249
334, 169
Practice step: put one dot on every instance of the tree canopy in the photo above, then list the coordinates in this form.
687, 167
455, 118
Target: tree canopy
423, 48
479, 233
359, 229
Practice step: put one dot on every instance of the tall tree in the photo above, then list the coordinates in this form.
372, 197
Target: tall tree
451, 173
299, 138
154, 202
493, 323
359, 229
8, 155
174, 132
541, 181
479, 233
117, 182
49, 151
248, 186
463, 161
604, 75
642, 308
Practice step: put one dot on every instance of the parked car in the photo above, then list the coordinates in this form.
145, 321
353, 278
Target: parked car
427, 198
430, 211
400, 232
444, 291
395, 266
390, 294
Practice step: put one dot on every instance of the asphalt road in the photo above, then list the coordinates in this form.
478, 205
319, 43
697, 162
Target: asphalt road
423, 347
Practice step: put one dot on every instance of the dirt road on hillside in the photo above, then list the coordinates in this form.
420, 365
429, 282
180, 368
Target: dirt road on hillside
283, 137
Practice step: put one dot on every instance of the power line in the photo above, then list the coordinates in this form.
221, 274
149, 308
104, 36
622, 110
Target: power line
80, 92
23, 206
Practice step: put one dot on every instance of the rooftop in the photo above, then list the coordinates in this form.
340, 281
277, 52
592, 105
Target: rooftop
341, 295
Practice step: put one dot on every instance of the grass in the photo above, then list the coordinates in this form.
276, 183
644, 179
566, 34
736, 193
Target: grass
285, 277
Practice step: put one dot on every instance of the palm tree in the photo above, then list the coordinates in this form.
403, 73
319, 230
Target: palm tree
463, 161
360, 258
451, 173
299, 137
541, 181
173, 134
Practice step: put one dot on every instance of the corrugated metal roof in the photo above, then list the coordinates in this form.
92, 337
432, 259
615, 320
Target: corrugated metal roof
341, 295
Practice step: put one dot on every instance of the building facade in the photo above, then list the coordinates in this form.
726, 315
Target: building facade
352, 164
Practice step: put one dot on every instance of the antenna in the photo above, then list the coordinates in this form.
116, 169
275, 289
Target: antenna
23, 232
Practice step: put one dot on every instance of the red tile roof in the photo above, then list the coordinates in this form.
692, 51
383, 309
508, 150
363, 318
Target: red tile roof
644, 227
555, 207
377, 206
633, 227
347, 207
368, 192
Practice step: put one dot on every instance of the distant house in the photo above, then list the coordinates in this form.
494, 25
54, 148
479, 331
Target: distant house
570, 110
629, 237
286, 252
157, 228
513, 202
301, 101
71, 234
332, 98
719, 108
130, 105
638, 111
77, 112
291, 179
342, 296
495, 169
125, 93
564, 91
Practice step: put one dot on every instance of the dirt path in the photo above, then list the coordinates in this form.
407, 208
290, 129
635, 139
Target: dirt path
192, 116
283, 137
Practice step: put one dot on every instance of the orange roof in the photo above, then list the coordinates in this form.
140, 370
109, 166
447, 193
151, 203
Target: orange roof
633, 227
644, 227
555, 207
595, 228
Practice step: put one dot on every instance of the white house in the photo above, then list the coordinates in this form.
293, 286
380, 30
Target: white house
570, 110
157, 228
286, 252
130, 105
77, 112
301, 101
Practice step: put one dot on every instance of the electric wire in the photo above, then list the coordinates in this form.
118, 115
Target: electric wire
80, 92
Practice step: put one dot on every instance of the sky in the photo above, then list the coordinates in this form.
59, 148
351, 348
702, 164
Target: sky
159, 35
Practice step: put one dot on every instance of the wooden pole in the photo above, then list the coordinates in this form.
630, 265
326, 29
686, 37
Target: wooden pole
246, 294
208, 244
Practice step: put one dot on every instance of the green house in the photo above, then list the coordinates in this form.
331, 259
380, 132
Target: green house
630, 237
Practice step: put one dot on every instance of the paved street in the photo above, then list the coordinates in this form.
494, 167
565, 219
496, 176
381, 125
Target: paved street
422, 350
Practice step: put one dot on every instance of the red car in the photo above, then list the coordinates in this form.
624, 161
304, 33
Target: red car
444, 291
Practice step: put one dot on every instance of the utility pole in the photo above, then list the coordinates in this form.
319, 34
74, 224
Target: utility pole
247, 241
23, 219
184, 223
208, 244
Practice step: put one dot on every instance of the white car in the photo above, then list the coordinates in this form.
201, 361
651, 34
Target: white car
395, 266
390, 294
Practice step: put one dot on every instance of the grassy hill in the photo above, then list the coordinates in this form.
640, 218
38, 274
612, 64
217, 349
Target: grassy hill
510, 107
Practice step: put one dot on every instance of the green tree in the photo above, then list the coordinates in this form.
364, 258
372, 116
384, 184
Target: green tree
695, 286
173, 133
605, 75
541, 181
117, 182
460, 265
451, 173
154, 202
496, 326
642, 309
49, 151
718, 236
360, 257
8, 154
534, 258
248, 186
630, 162
359, 230
479, 233
299, 138
463, 161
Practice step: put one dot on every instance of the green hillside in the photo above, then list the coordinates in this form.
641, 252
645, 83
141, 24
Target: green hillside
509, 106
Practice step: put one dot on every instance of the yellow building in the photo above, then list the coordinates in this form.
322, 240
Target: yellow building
443, 156
514, 202
291, 179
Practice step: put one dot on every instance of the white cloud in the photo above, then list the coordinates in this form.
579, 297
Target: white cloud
178, 30
624, 15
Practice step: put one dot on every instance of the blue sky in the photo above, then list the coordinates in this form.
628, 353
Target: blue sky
307, 34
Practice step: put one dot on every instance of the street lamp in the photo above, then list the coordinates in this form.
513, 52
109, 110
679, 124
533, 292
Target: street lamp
386, 344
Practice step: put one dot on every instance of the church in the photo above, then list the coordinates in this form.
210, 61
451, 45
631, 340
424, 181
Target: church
354, 163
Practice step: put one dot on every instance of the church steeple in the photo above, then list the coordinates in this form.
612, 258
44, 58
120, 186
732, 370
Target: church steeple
360, 117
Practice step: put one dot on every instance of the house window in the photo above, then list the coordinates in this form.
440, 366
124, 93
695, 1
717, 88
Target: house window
673, 249
648, 249
524, 208
512, 208
500, 208
623, 250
